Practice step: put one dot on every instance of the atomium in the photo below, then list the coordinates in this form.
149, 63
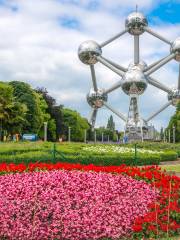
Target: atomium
88, 51
135, 23
97, 98
133, 80
175, 48
174, 96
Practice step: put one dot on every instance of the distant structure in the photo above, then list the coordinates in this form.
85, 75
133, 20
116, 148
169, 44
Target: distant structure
134, 78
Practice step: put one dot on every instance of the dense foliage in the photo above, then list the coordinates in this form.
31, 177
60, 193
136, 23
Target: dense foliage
12, 112
175, 122
111, 124
55, 123
24, 110
77, 124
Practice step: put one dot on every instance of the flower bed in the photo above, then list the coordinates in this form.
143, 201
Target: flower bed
71, 205
31, 191
117, 149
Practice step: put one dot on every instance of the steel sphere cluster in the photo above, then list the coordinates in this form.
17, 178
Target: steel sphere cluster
174, 96
135, 78
135, 23
97, 98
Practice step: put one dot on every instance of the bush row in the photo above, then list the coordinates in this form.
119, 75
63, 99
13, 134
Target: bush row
73, 152
105, 159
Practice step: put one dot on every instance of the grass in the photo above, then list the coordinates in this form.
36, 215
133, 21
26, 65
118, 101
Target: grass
173, 168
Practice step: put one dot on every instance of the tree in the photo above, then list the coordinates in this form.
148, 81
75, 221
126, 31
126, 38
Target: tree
51, 125
35, 115
6, 99
107, 133
77, 124
111, 124
17, 118
55, 124
175, 122
162, 133
12, 112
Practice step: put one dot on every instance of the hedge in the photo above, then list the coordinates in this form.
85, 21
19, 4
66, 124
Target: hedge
43, 152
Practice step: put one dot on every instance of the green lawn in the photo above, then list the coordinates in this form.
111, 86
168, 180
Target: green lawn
175, 168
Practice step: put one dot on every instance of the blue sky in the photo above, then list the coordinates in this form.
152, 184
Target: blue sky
39, 42
167, 11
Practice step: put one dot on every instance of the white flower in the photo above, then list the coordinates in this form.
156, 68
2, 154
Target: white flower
117, 149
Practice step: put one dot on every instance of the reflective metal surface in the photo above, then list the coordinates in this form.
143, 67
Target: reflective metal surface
175, 48
174, 97
88, 51
134, 80
96, 99
142, 65
135, 23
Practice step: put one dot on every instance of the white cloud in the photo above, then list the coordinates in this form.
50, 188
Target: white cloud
35, 47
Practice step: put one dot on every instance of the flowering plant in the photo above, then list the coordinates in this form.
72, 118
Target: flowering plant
71, 205
99, 202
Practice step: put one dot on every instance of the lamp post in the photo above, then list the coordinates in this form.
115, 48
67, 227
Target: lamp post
69, 134
102, 139
94, 136
164, 137
174, 134
85, 135
45, 131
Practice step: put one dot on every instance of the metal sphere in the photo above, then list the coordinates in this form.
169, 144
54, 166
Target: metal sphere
175, 48
96, 99
174, 96
135, 23
88, 51
134, 81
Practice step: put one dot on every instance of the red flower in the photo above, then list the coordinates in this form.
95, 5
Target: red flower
152, 228
137, 228
164, 227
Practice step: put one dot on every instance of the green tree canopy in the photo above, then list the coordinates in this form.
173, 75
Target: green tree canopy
6, 100
35, 104
77, 124
175, 122
111, 124
55, 124
12, 112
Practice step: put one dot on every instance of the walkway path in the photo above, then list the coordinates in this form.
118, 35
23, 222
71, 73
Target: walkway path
177, 162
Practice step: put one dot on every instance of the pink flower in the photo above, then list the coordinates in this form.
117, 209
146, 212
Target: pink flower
70, 205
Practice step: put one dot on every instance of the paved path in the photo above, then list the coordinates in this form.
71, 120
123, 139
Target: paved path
177, 162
